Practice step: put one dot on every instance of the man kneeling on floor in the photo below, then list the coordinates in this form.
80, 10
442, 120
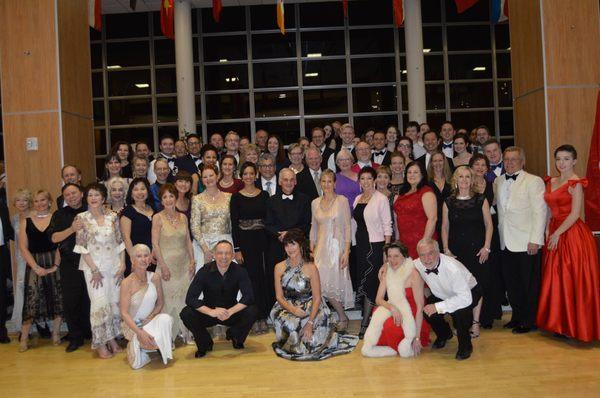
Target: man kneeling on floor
219, 282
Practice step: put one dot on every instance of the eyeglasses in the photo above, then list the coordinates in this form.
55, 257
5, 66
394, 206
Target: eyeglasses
403, 145
267, 166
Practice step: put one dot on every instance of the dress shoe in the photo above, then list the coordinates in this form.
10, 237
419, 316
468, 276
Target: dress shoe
361, 334
440, 342
521, 330
462, 355
487, 325
199, 354
511, 325
4, 339
73, 346
238, 345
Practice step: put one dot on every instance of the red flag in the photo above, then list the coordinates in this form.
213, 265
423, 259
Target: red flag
398, 12
345, 7
217, 7
167, 13
95, 14
592, 193
464, 5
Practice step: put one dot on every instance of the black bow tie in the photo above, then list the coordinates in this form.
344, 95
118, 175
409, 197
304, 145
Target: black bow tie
496, 166
194, 158
433, 270
444, 146
512, 177
380, 153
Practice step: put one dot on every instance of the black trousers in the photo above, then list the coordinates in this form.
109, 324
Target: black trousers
462, 320
239, 324
522, 274
76, 302
4, 261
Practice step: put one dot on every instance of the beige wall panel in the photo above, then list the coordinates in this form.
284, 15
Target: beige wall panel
28, 55
572, 41
32, 169
530, 130
78, 144
526, 46
571, 118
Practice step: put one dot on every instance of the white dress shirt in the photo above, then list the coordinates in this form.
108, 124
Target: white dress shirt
452, 284
151, 176
270, 190
379, 158
449, 152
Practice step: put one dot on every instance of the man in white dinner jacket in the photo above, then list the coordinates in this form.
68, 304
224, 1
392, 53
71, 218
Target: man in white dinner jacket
521, 224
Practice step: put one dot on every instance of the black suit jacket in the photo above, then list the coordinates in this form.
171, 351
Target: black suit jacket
186, 163
7, 229
258, 184
306, 184
325, 157
387, 159
283, 215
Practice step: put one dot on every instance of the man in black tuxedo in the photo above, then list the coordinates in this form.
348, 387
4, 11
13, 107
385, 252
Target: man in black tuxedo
431, 142
268, 179
493, 152
190, 162
447, 133
380, 155
6, 234
70, 175
318, 141
309, 179
285, 211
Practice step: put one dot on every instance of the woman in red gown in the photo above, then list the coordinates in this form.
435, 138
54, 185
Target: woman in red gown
415, 209
570, 292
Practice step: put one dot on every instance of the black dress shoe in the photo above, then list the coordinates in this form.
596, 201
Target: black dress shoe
4, 339
73, 346
238, 345
511, 325
462, 355
487, 325
521, 330
199, 354
440, 342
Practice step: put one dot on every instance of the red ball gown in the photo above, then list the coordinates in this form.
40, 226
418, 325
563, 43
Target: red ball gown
570, 292
411, 219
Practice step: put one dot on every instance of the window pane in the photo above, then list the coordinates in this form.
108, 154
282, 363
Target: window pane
373, 70
275, 74
119, 26
506, 142
96, 55
470, 66
124, 82
503, 68
404, 89
130, 111
279, 103
242, 128
287, 130
434, 67
100, 141
157, 29
435, 120
502, 34
431, 11
320, 102
226, 77
362, 123
324, 72
374, 99
470, 120
505, 119
97, 87
232, 19
135, 53
320, 122
273, 45
133, 135
227, 106
469, 37
321, 14
370, 12
435, 96
224, 47
505, 93
166, 81
432, 38
164, 52
94, 35
265, 17
166, 109
478, 12
98, 113
172, 131
471, 95
371, 41
324, 43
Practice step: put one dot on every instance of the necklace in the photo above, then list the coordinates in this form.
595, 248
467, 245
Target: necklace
38, 215
173, 220
324, 205
142, 281
463, 197
213, 197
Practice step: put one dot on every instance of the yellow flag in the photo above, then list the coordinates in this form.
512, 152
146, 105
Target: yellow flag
280, 16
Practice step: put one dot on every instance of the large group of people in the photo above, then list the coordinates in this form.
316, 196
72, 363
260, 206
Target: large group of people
253, 236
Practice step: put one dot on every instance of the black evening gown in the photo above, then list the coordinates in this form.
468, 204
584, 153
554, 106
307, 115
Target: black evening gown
441, 197
369, 257
141, 232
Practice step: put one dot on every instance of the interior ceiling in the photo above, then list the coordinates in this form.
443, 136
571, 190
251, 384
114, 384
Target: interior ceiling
122, 6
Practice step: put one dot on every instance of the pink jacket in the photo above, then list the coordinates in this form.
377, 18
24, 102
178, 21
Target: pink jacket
378, 217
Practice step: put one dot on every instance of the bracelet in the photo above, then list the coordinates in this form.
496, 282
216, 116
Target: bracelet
96, 271
487, 250
311, 322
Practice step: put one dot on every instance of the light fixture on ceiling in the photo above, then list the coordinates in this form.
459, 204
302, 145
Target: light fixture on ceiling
314, 55
404, 71
113, 67
142, 85
223, 60
426, 50
311, 74
479, 69
282, 96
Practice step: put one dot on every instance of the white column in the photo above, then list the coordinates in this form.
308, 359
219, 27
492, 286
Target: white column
186, 106
415, 69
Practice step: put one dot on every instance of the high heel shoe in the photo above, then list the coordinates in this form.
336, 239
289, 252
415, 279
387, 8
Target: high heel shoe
475, 330
56, 340
341, 326
23, 346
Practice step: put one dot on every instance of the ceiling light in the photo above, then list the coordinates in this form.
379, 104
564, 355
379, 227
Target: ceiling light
282, 96
426, 50
374, 107
479, 68
312, 74
508, 48
223, 60
142, 85
113, 67
314, 55
404, 71
227, 79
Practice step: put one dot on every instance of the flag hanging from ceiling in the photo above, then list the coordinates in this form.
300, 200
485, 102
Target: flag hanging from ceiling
95, 14
167, 14
499, 10
398, 12
464, 5
217, 7
592, 194
281, 16
345, 8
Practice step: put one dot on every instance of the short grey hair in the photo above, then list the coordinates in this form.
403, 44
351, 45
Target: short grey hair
346, 152
427, 242
518, 149
140, 247
266, 156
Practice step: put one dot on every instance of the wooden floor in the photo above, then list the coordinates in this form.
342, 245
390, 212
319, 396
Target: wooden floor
502, 365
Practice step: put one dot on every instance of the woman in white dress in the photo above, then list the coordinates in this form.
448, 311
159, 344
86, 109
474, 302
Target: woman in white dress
23, 200
102, 261
141, 300
330, 243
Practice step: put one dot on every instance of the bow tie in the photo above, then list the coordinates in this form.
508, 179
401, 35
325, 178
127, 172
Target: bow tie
380, 153
194, 158
496, 166
433, 270
287, 197
444, 146
512, 177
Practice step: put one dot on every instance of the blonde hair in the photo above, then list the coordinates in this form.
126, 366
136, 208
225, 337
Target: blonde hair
46, 194
454, 182
518, 149
327, 173
23, 194
384, 169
